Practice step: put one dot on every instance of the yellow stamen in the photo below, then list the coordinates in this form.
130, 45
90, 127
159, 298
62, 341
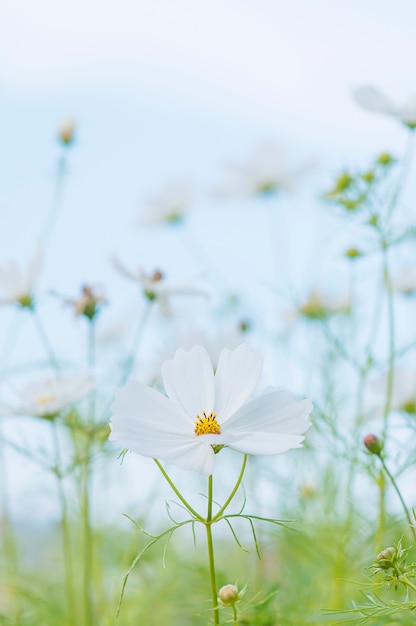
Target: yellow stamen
207, 424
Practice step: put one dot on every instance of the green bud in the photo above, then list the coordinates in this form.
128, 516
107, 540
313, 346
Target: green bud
387, 558
353, 253
26, 301
385, 159
368, 177
373, 221
343, 182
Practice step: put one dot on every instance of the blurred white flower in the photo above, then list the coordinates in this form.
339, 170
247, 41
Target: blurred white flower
267, 172
170, 206
156, 288
403, 396
206, 411
17, 286
372, 99
48, 397
405, 282
320, 306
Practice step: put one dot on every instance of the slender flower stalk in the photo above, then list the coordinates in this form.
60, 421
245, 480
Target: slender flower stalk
399, 494
211, 559
45, 341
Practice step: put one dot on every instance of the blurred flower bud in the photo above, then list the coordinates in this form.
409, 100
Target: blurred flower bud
67, 132
89, 304
385, 159
373, 444
353, 253
368, 177
373, 221
228, 594
343, 182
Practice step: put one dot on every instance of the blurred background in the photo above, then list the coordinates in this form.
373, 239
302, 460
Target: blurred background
166, 93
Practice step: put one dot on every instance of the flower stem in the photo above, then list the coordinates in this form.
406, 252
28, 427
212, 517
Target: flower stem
397, 490
66, 539
56, 198
178, 493
233, 492
87, 544
208, 523
234, 615
45, 341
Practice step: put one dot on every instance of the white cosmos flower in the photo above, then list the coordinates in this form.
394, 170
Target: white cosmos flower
47, 397
203, 411
16, 285
170, 206
372, 99
267, 172
155, 286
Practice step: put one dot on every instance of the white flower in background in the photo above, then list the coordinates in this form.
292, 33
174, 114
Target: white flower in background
170, 206
204, 411
405, 283
267, 172
155, 287
403, 396
372, 99
48, 397
17, 286
320, 306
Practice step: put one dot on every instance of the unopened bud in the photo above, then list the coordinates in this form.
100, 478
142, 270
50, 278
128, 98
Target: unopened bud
387, 557
343, 182
67, 132
373, 444
353, 253
385, 159
228, 594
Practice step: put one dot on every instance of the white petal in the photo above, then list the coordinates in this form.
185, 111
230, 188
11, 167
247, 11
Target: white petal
148, 408
237, 375
266, 443
189, 380
276, 412
372, 99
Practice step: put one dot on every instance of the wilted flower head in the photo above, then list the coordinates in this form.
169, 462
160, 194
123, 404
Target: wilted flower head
48, 397
17, 286
204, 411
88, 304
155, 287
372, 99
66, 134
170, 206
267, 172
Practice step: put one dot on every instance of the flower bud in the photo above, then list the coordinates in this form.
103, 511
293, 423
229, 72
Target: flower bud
228, 594
353, 253
67, 132
387, 557
385, 159
373, 444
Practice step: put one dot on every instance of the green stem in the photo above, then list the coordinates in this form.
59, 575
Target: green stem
390, 374
88, 548
56, 199
45, 341
131, 357
234, 615
397, 490
178, 493
407, 582
381, 512
66, 539
233, 492
208, 524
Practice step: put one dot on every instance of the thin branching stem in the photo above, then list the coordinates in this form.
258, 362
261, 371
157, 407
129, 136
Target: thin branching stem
208, 525
178, 493
233, 492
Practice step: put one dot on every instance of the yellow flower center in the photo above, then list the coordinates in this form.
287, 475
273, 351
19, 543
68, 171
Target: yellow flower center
207, 424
